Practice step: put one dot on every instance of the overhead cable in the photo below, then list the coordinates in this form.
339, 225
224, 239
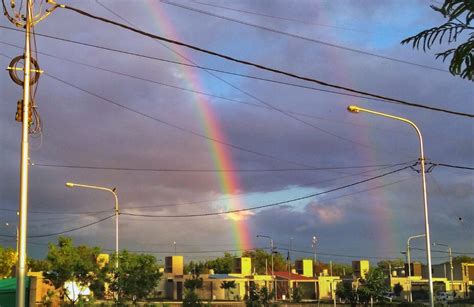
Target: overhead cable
312, 40
284, 18
92, 167
248, 63
197, 134
453, 166
267, 205
64, 231
368, 97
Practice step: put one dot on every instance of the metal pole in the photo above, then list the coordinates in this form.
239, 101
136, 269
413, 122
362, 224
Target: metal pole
116, 229
273, 272
21, 265
410, 297
289, 269
451, 264
356, 109
427, 225
117, 213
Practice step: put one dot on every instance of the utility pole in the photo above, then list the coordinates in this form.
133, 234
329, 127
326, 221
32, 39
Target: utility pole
410, 297
24, 20
450, 264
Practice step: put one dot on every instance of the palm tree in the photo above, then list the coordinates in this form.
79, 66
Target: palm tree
227, 285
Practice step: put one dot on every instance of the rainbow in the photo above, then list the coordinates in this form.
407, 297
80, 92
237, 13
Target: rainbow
384, 217
222, 158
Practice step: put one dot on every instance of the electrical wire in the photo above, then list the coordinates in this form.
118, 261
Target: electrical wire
210, 94
204, 68
443, 251
267, 205
262, 67
332, 45
91, 167
369, 97
169, 124
64, 231
286, 18
260, 100
210, 201
57, 212
453, 166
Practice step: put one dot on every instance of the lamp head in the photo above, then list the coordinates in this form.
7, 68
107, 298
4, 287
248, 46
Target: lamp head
69, 184
353, 109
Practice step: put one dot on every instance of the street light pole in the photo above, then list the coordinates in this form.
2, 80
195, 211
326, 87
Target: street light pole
116, 209
410, 297
450, 263
16, 228
273, 272
355, 109
313, 244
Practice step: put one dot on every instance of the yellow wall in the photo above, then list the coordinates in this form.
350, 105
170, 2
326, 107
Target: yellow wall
327, 286
361, 268
246, 266
307, 268
177, 264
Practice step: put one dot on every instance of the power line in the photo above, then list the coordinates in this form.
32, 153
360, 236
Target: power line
57, 212
332, 45
319, 201
453, 166
368, 97
204, 68
64, 231
207, 69
256, 98
227, 198
91, 167
286, 18
179, 127
268, 205
443, 251
248, 63
173, 125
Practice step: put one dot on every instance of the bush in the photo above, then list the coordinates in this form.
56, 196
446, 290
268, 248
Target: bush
191, 299
296, 295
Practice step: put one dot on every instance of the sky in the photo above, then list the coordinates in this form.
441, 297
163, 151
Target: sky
179, 140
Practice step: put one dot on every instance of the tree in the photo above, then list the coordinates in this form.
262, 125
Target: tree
459, 14
222, 265
296, 294
397, 289
38, 265
227, 285
386, 265
191, 299
462, 259
253, 297
261, 257
7, 262
71, 263
374, 286
195, 282
266, 296
195, 267
190, 296
345, 292
341, 269
136, 277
